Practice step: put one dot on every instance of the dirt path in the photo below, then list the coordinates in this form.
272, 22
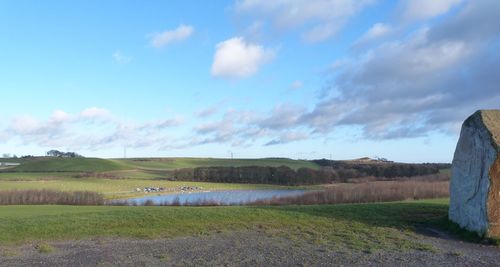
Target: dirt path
244, 248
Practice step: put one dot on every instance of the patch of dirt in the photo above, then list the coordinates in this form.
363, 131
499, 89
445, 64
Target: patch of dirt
242, 248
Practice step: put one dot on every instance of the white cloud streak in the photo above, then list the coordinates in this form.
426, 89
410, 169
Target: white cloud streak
377, 31
120, 58
162, 39
424, 9
64, 130
321, 18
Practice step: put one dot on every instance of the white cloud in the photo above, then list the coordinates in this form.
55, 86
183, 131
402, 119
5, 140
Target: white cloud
423, 9
288, 137
3, 136
378, 30
160, 124
63, 130
95, 113
296, 85
322, 18
120, 58
179, 34
282, 117
429, 81
25, 125
235, 58
60, 116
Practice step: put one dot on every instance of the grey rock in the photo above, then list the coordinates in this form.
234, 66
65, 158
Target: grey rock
474, 187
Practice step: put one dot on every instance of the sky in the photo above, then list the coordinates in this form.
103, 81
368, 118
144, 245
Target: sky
304, 79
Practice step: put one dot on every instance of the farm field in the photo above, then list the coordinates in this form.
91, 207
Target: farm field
178, 163
119, 178
51, 164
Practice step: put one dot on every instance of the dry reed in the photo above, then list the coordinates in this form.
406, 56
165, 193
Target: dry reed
49, 197
365, 193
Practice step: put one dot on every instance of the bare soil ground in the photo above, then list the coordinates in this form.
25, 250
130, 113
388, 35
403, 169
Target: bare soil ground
245, 248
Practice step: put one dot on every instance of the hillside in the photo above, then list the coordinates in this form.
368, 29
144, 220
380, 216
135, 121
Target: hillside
179, 163
56, 164
50, 164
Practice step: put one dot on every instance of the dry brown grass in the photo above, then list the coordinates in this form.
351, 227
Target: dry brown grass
49, 197
382, 191
437, 177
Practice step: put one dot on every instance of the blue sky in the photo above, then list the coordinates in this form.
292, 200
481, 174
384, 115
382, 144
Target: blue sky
298, 79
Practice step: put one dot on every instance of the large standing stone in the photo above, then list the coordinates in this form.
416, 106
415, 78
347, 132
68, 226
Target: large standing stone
475, 182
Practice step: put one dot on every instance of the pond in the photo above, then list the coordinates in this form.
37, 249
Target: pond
232, 197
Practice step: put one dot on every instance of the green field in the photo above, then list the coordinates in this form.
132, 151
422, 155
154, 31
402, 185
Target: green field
48, 164
179, 163
365, 227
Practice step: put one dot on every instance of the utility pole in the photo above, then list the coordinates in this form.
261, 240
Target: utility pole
124, 152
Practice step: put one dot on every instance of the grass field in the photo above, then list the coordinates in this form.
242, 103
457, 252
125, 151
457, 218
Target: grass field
34, 176
365, 227
49, 164
178, 163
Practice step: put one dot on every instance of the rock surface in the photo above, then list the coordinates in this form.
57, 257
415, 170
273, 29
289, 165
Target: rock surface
475, 182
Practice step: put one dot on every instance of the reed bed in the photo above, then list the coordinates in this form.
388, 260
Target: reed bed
366, 193
50, 197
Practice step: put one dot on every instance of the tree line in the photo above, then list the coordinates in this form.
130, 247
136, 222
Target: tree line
60, 154
304, 176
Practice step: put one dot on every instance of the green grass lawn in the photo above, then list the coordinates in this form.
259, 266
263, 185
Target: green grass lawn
362, 226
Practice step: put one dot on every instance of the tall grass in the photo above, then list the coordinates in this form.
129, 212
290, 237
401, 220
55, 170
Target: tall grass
50, 197
366, 193
437, 177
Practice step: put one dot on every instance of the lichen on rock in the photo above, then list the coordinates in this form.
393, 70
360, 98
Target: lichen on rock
475, 183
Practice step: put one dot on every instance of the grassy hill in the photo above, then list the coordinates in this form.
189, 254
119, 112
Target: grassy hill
49, 164
53, 164
178, 163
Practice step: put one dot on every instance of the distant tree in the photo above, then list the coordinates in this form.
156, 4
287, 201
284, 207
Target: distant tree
53, 153
59, 154
5, 155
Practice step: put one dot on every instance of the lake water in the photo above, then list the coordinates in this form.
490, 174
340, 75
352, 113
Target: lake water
233, 197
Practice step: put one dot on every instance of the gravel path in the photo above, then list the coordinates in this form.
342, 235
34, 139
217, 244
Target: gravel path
244, 248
